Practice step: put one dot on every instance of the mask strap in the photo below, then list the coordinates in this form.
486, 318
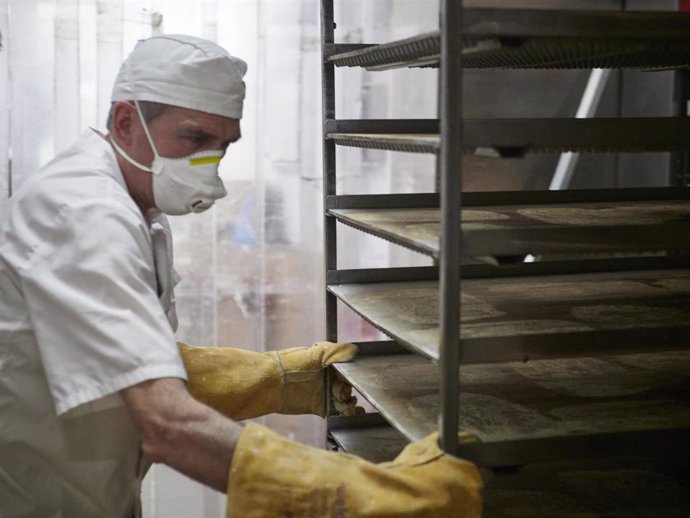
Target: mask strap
129, 159
141, 118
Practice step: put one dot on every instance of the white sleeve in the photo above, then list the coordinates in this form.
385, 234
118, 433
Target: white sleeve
93, 305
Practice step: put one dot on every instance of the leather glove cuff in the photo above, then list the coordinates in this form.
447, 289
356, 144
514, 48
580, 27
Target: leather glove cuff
244, 384
273, 476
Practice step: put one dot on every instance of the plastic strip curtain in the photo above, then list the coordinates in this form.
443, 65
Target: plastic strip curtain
28, 134
56, 72
248, 264
5, 181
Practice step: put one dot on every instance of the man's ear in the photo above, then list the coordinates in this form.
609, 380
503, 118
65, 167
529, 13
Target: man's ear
124, 114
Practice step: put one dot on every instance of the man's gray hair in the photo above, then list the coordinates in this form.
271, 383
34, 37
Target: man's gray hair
149, 110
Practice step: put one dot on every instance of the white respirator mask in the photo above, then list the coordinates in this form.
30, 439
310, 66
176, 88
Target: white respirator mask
181, 185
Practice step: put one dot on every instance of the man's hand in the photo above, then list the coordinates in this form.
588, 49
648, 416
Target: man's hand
268, 475
179, 431
273, 476
244, 384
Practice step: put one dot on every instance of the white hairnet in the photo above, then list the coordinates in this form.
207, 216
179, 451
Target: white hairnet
183, 71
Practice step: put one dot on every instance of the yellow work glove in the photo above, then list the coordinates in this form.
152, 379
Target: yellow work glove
273, 476
244, 384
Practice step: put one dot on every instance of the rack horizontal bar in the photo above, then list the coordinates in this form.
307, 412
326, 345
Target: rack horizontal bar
516, 137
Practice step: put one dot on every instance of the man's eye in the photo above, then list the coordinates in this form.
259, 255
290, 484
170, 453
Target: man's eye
196, 139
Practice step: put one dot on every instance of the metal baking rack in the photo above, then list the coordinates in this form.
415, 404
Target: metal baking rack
585, 355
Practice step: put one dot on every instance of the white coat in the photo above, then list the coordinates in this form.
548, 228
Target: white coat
79, 320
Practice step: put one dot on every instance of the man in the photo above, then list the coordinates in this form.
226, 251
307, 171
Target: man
91, 377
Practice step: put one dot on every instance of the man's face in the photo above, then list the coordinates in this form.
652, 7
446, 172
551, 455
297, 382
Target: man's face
179, 132
176, 133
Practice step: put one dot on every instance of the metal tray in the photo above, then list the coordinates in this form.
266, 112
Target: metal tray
515, 412
574, 228
521, 318
533, 38
516, 137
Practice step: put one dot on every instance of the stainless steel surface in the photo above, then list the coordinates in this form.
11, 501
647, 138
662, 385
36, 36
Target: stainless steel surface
393, 126
360, 275
413, 143
538, 229
515, 137
482, 270
329, 163
566, 399
450, 171
539, 316
376, 444
640, 486
588, 106
483, 199
533, 38
378, 201
418, 51
368, 436
644, 485
650, 486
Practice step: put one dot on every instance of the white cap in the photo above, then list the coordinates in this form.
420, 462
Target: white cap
183, 71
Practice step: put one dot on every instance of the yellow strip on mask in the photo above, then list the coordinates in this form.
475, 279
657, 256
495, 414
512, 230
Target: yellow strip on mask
204, 160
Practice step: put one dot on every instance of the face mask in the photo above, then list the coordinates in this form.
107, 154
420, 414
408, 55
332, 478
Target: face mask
181, 185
